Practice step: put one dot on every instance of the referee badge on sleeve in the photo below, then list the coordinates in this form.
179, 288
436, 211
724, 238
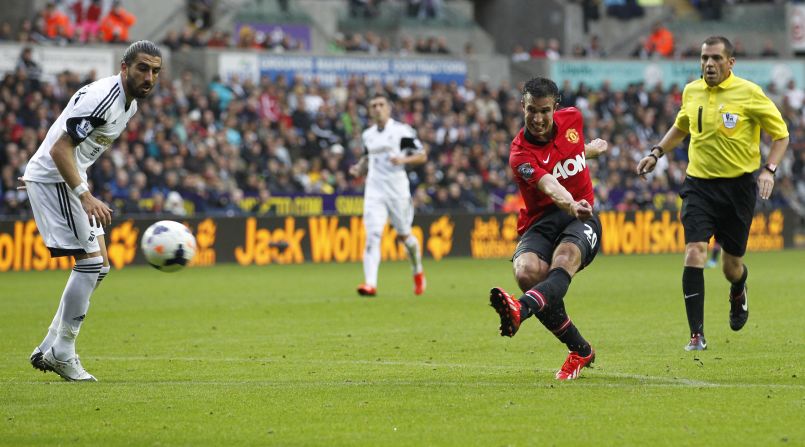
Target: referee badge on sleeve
730, 120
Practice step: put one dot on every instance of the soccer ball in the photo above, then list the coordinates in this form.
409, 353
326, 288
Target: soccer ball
168, 246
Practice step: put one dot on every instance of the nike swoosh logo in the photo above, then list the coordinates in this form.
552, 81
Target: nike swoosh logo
691, 295
547, 159
745, 305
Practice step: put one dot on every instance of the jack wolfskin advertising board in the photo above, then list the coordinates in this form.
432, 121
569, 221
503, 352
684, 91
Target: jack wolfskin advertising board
320, 239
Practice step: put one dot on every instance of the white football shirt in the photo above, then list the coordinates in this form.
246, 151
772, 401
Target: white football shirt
394, 139
95, 116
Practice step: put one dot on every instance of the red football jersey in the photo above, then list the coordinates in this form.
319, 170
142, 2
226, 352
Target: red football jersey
563, 157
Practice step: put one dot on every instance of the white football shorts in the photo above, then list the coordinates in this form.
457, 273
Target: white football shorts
61, 220
377, 210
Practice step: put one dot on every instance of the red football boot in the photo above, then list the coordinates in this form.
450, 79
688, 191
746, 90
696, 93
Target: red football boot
509, 310
420, 284
573, 365
367, 290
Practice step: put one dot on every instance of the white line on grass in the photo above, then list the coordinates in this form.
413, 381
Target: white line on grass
645, 380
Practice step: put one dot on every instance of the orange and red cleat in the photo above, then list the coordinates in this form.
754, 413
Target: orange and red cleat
367, 290
573, 365
420, 284
508, 309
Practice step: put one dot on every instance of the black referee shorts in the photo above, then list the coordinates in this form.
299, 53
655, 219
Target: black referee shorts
722, 207
548, 232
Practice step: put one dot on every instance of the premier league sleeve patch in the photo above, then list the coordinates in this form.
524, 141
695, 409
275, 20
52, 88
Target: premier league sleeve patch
526, 171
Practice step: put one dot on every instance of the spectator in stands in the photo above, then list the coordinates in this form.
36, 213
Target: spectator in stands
660, 42
769, 50
199, 13
519, 54
6, 33
538, 49
30, 68
219, 39
55, 23
441, 46
363, 8
793, 97
594, 48
554, 50
88, 20
115, 26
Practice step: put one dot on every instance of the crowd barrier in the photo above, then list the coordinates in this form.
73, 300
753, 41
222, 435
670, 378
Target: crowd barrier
323, 239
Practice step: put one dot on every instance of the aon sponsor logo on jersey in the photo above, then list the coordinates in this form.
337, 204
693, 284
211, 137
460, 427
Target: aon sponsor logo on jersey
570, 167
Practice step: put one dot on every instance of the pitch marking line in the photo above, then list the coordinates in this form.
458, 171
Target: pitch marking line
656, 381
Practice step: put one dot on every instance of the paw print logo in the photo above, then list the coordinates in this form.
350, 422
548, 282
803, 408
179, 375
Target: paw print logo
509, 230
205, 234
122, 244
440, 241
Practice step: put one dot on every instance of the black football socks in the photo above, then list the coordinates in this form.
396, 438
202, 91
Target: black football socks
738, 286
693, 289
546, 302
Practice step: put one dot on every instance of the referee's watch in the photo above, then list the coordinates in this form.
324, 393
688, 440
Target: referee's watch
771, 167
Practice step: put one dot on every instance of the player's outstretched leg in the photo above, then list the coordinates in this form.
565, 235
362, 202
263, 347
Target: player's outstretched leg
508, 309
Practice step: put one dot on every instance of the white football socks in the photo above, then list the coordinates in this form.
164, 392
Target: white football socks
412, 244
371, 258
104, 271
74, 305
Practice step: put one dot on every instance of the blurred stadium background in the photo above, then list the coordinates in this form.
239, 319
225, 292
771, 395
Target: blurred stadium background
260, 107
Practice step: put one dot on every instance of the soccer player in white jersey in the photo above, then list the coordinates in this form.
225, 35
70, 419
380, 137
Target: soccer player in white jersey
389, 146
67, 215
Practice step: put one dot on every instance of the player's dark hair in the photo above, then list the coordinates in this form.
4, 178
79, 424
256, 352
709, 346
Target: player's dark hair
715, 40
541, 88
141, 46
380, 95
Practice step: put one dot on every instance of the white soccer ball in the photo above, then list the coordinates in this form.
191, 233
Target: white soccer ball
168, 246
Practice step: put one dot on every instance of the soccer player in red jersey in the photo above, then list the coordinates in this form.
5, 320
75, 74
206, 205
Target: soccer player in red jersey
559, 233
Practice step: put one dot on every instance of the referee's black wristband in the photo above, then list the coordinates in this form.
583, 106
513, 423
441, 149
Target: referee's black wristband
659, 148
651, 154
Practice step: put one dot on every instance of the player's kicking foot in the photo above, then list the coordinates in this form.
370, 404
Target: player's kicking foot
508, 309
69, 370
573, 364
37, 361
739, 310
367, 290
420, 284
696, 343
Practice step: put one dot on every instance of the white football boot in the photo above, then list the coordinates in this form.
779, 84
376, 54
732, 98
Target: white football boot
70, 370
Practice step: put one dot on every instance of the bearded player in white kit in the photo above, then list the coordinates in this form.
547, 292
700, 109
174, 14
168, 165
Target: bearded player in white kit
67, 216
389, 147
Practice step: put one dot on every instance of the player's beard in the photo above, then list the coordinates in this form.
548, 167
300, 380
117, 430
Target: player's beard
135, 90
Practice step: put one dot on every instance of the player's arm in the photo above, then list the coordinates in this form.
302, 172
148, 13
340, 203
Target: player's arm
595, 148
414, 151
673, 137
63, 155
360, 168
563, 199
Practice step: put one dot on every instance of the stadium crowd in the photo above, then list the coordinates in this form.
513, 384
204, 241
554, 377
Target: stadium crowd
227, 147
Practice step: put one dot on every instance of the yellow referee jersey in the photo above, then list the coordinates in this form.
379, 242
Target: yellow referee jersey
724, 124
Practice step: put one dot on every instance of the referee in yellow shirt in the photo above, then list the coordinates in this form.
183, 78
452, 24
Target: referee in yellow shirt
723, 115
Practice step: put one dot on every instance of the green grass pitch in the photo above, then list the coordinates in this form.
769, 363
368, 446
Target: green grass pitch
290, 355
